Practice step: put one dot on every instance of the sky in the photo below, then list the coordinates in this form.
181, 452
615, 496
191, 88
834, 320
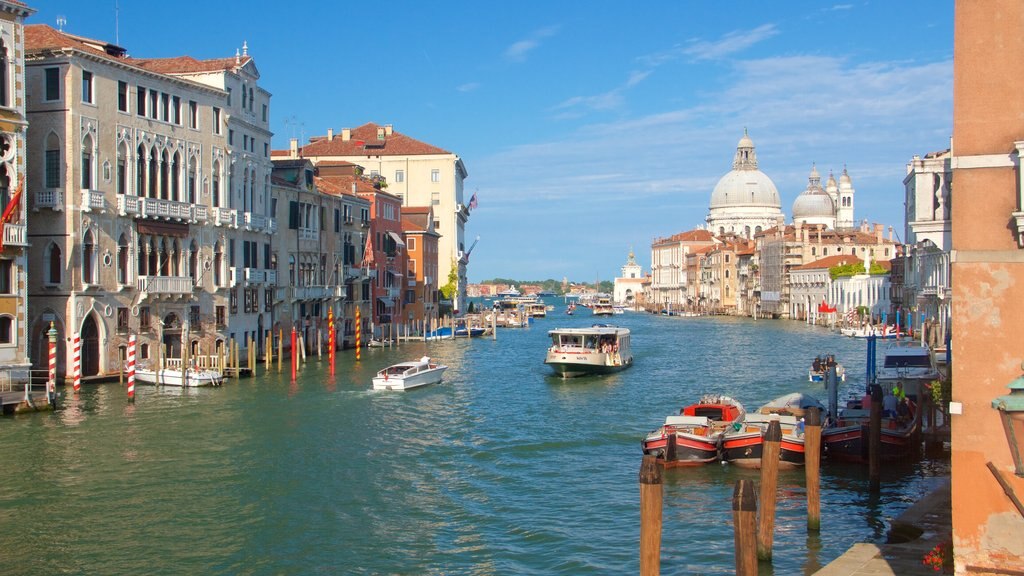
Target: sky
588, 129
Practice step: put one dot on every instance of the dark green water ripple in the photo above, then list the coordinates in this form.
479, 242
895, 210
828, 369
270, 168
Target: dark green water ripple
501, 469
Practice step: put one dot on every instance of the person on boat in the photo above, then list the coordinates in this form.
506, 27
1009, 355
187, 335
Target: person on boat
903, 414
889, 404
817, 364
897, 391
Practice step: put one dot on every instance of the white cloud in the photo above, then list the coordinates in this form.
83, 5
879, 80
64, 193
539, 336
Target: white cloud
468, 87
729, 44
518, 51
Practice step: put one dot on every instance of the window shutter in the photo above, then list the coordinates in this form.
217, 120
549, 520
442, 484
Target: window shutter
293, 215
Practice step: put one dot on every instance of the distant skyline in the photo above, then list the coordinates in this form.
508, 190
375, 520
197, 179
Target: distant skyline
589, 128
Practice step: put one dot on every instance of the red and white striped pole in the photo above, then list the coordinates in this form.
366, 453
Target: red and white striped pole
330, 336
295, 351
77, 361
131, 368
359, 331
51, 382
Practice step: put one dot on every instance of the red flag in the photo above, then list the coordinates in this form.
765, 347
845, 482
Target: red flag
825, 308
11, 208
368, 252
472, 202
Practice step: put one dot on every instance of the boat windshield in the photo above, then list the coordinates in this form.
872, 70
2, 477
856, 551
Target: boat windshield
917, 361
568, 340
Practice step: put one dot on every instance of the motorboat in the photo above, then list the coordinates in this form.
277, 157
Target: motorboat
821, 364
908, 363
882, 332
570, 309
600, 349
603, 306
743, 445
409, 375
846, 438
618, 309
378, 342
694, 436
193, 377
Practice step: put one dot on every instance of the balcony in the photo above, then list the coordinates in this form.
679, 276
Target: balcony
93, 200
271, 276
308, 234
200, 213
271, 226
52, 198
364, 223
14, 235
155, 208
254, 221
310, 293
233, 273
225, 217
255, 276
165, 285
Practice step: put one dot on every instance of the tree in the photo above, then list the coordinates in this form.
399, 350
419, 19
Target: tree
449, 290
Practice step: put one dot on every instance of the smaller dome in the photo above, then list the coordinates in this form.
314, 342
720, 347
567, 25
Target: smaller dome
745, 141
813, 205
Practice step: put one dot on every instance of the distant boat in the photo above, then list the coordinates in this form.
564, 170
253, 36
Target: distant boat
603, 306
510, 293
546, 294
174, 377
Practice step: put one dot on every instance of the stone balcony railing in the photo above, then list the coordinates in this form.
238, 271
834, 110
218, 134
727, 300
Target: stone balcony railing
271, 226
14, 235
93, 200
165, 285
52, 198
308, 234
225, 217
271, 276
160, 209
255, 221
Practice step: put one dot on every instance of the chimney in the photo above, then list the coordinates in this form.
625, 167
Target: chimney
353, 188
380, 133
890, 233
293, 148
388, 130
346, 134
330, 134
820, 226
878, 233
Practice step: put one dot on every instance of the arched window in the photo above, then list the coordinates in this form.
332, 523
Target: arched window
176, 177
87, 171
218, 262
165, 186
153, 172
140, 171
5, 97
291, 270
88, 258
6, 330
122, 259
215, 185
193, 263
122, 168
192, 182
144, 351
55, 264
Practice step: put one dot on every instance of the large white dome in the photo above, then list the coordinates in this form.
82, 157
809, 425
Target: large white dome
745, 200
814, 205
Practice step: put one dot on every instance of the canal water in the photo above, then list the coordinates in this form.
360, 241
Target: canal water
500, 469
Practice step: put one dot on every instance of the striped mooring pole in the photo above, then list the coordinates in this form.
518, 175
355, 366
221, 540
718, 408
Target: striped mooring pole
131, 368
77, 361
51, 382
359, 334
330, 337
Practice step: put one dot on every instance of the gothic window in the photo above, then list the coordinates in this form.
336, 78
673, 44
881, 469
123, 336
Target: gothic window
215, 187
6, 330
87, 163
5, 98
153, 172
218, 263
88, 258
176, 177
165, 166
122, 259
122, 168
193, 263
55, 264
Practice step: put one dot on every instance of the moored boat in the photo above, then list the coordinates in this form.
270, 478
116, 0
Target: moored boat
847, 437
408, 375
694, 435
820, 366
743, 445
190, 378
600, 349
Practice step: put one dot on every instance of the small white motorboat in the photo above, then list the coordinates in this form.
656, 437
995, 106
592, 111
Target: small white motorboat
191, 378
408, 375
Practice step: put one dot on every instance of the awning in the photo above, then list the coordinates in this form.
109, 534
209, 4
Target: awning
397, 239
388, 302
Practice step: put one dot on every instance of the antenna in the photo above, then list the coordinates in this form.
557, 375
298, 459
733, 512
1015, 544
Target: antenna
61, 22
117, 28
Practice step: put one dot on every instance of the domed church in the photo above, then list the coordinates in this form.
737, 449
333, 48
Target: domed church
745, 201
831, 206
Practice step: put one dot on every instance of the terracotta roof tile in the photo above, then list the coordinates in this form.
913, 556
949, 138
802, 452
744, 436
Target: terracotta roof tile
188, 64
363, 141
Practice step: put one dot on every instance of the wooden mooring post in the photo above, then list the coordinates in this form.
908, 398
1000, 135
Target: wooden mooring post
744, 521
812, 467
875, 440
650, 516
769, 487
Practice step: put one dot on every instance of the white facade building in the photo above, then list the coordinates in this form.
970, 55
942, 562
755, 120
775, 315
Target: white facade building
745, 200
629, 284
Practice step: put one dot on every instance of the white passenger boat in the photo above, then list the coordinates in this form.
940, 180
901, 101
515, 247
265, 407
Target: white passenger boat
600, 349
408, 375
603, 306
175, 377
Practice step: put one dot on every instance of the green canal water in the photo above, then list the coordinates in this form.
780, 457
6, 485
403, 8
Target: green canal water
500, 469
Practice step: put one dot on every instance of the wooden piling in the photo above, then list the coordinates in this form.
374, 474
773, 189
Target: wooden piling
744, 521
280, 348
268, 355
812, 467
650, 517
875, 439
771, 447
670, 447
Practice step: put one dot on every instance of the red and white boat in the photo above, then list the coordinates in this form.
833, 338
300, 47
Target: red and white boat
743, 445
694, 436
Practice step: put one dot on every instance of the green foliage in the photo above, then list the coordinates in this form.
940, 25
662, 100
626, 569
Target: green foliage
551, 285
448, 290
852, 269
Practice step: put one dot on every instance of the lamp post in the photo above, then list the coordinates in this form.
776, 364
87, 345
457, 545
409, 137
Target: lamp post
1011, 412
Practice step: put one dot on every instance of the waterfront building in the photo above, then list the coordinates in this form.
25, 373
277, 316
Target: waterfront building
418, 174
926, 288
987, 230
629, 284
245, 120
668, 267
696, 295
810, 287
15, 346
851, 294
134, 213
781, 249
745, 200
421, 289
720, 276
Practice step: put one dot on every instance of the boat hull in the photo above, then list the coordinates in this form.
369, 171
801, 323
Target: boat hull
196, 379
745, 449
575, 365
687, 450
849, 443
417, 380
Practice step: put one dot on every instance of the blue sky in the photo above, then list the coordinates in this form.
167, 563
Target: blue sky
590, 127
